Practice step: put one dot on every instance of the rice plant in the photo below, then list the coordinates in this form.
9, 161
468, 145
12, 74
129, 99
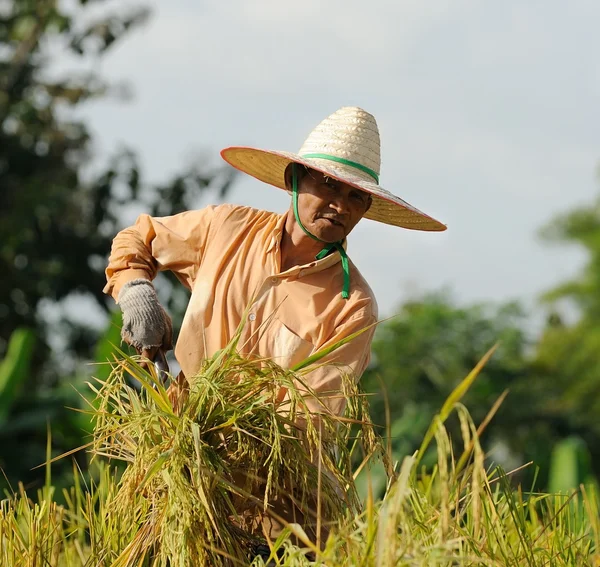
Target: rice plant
199, 473
228, 451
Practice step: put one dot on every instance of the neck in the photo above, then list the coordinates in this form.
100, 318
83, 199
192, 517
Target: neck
297, 248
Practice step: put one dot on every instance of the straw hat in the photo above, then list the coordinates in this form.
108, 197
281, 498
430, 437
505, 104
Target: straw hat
344, 146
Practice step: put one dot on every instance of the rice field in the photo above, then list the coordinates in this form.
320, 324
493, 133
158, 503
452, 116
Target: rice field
170, 487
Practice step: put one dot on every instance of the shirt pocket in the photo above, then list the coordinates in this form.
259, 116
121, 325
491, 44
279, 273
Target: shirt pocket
284, 346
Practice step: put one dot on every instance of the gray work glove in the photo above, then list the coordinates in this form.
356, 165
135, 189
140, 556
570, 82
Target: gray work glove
146, 325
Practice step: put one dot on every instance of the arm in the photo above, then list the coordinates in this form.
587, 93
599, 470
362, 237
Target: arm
173, 243
328, 375
138, 252
327, 380
351, 360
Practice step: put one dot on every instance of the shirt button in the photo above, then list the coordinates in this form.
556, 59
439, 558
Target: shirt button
252, 316
300, 273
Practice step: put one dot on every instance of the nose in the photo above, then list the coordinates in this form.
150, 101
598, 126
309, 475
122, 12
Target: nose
339, 204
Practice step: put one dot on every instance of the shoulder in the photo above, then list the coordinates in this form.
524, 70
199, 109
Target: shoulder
361, 306
362, 295
241, 215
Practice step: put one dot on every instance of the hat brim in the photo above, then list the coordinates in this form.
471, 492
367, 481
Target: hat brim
269, 166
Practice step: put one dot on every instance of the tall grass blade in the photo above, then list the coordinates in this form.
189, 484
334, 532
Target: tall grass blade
452, 400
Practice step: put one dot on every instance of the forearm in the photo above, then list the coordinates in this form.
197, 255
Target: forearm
174, 243
131, 256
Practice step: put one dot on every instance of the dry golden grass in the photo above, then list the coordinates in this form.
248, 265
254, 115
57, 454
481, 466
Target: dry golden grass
172, 504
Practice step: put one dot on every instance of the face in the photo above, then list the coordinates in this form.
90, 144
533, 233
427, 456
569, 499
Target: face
328, 208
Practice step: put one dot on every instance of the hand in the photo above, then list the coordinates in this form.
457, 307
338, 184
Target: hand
146, 325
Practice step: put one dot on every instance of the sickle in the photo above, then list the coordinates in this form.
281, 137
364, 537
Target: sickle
161, 366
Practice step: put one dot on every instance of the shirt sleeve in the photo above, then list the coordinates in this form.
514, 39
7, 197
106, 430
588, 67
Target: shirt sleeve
154, 244
347, 362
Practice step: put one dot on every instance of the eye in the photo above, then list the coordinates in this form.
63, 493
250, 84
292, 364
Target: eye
358, 197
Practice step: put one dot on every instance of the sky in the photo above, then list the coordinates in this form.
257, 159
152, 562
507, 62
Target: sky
488, 114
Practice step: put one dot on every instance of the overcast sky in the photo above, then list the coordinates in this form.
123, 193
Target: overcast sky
488, 113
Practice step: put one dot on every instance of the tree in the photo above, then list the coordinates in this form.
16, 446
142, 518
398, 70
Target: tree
56, 227
422, 354
431, 345
554, 383
568, 353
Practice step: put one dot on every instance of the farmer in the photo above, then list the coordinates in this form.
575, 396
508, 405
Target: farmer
305, 293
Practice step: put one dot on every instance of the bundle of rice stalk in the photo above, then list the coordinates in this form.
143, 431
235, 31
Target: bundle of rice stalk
208, 479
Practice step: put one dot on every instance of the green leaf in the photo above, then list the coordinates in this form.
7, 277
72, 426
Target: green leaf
452, 400
326, 351
14, 369
156, 466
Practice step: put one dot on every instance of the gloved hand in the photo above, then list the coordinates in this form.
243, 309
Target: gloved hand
146, 325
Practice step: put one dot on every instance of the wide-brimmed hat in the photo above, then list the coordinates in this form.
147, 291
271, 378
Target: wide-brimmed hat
344, 146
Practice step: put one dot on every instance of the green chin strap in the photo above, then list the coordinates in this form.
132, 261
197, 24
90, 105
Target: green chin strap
328, 247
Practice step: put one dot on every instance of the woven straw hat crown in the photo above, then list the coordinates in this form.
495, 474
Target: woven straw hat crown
350, 134
346, 147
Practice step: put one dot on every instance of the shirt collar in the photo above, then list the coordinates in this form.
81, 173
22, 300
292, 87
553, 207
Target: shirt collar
310, 268
277, 233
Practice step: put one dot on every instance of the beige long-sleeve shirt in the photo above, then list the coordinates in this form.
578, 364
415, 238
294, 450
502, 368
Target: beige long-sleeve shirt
229, 256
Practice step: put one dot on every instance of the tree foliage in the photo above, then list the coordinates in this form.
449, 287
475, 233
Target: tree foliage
553, 382
421, 355
568, 353
56, 225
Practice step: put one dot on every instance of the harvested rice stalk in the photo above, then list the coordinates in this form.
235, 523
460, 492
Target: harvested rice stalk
229, 466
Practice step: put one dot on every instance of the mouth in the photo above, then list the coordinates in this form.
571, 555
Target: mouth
333, 221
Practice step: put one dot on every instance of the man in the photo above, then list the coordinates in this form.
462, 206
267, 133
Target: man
305, 293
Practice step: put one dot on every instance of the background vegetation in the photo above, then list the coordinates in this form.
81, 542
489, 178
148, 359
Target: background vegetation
58, 216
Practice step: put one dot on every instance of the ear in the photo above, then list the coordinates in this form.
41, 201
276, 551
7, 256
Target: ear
369, 203
288, 177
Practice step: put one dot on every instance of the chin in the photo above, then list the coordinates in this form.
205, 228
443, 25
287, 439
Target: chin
327, 232
331, 236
